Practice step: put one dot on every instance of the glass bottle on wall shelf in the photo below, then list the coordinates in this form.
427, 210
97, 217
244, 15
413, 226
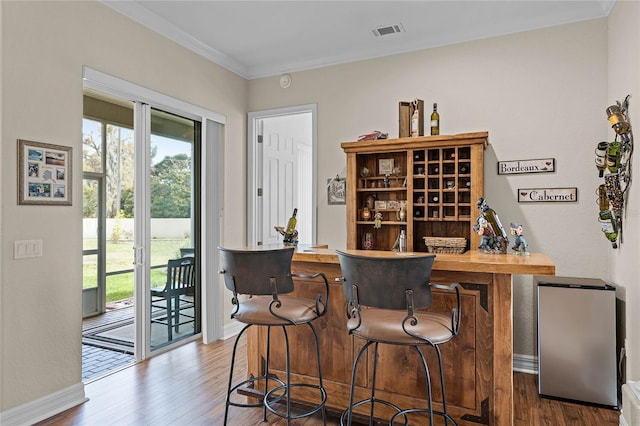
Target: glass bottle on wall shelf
609, 227
435, 120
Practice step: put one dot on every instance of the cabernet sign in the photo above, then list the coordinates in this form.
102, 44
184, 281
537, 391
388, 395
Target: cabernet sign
554, 195
544, 165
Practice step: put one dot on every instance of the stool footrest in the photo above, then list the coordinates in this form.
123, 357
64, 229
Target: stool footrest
276, 399
400, 411
251, 381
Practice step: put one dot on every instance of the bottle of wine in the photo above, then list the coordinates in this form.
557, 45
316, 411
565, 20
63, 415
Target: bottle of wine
603, 199
609, 227
614, 151
492, 217
435, 120
291, 224
415, 123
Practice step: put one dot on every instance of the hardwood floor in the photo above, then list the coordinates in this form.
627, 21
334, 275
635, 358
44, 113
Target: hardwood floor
187, 386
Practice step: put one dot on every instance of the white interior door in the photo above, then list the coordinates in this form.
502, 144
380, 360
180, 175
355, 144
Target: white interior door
283, 170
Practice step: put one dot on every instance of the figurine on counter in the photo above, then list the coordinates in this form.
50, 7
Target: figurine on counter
289, 239
493, 236
519, 243
483, 228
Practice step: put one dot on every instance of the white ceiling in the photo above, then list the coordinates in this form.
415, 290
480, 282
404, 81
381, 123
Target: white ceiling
264, 38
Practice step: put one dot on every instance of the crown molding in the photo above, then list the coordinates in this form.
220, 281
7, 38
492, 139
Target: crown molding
145, 17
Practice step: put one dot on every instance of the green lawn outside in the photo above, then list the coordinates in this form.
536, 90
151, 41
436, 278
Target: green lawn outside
120, 257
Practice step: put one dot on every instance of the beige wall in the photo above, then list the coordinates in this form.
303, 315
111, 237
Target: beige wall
44, 47
539, 94
624, 79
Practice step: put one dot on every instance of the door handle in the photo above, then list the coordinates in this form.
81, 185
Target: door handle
138, 256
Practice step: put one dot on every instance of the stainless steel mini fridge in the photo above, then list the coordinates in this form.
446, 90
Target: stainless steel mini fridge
577, 340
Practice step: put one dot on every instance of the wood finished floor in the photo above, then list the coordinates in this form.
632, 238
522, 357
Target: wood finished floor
187, 387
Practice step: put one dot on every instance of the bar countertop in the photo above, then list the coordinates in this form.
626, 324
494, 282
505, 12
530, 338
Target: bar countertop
471, 261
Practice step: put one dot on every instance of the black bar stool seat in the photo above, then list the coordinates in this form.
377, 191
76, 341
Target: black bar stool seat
261, 282
387, 297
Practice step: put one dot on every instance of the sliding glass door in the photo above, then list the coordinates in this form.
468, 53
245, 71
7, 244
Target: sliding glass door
141, 203
174, 211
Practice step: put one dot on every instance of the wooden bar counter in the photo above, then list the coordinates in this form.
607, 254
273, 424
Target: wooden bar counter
478, 362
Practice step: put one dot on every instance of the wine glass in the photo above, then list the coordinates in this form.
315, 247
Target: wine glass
396, 172
365, 173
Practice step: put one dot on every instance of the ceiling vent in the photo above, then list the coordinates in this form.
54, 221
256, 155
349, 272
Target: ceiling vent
388, 30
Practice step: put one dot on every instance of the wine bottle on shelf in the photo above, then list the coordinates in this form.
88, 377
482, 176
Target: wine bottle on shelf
415, 122
435, 120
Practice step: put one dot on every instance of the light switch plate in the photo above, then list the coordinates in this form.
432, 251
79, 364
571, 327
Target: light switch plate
25, 249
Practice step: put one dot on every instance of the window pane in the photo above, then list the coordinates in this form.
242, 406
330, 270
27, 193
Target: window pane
91, 146
119, 170
89, 270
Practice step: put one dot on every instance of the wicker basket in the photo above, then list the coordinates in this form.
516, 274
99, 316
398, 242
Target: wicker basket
445, 245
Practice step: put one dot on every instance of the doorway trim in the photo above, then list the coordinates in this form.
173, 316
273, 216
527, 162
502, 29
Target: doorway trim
254, 166
212, 184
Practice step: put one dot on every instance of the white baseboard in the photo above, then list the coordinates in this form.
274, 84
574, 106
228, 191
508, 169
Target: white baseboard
45, 407
525, 364
232, 329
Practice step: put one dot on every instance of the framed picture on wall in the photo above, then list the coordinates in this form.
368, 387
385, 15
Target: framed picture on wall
337, 191
44, 173
385, 166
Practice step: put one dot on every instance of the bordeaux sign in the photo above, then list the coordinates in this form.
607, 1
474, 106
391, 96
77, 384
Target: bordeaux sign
544, 165
554, 195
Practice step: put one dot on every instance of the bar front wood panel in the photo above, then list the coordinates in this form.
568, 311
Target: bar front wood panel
477, 363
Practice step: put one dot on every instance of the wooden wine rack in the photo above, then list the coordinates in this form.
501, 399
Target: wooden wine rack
438, 178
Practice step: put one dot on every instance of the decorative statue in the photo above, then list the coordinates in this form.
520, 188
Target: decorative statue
519, 243
377, 220
484, 229
289, 239
493, 236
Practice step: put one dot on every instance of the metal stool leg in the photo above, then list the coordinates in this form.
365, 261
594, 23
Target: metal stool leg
233, 362
322, 391
353, 382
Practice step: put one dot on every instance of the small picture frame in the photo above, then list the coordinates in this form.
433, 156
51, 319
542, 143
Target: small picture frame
336, 191
385, 166
44, 173
380, 205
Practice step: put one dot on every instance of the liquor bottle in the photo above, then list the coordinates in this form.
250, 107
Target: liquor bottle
609, 227
291, 225
435, 120
402, 241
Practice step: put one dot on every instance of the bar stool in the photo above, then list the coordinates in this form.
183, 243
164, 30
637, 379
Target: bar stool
260, 281
383, 297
